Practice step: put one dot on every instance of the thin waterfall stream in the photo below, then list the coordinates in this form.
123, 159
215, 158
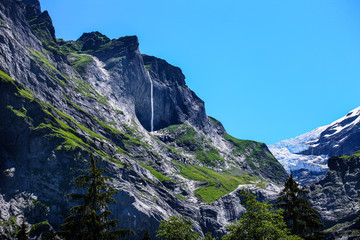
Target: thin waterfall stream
151, 101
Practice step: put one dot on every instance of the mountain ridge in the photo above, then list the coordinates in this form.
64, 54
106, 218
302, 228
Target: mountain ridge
307, 154
61, 100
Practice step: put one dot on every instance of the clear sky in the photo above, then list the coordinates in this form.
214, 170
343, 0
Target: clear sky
269, 70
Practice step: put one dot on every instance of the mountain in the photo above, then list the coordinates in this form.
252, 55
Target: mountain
337, 197
60, 100
307, 154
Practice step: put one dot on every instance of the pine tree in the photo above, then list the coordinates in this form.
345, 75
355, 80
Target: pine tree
23, 232
146, 235
90, 219
300, 217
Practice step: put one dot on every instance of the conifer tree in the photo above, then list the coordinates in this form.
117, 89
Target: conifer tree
146, 235
300, 217
90, 219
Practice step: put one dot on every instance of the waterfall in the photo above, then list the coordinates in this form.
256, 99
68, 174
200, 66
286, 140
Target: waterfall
151, 101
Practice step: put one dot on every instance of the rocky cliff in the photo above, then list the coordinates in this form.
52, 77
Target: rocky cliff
337, 196
61, 100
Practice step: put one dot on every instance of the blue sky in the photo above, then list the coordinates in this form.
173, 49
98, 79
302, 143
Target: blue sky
267, 69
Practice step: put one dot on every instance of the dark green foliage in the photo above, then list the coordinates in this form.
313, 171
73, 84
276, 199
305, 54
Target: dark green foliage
177, 228
260, 222
90, 219
208, 236
301, 218
93, 41
146, 236
51, 235
23, 233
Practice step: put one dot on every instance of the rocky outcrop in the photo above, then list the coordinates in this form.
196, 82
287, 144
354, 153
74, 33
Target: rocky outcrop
337, 195
60, 100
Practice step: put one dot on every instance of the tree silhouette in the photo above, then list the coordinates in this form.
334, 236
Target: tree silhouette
90, 219
300, 217
146, 235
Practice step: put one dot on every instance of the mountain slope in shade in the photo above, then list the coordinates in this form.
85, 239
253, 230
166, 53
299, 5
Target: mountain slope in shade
307, 154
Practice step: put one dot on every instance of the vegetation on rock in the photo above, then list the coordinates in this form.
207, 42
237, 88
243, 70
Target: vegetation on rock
177, 228
214, 184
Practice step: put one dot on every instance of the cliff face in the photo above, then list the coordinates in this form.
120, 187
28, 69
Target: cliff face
63, 99
337, 195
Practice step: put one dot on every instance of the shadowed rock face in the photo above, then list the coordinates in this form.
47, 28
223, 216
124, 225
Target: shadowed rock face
61, 99
337, 195
174, 102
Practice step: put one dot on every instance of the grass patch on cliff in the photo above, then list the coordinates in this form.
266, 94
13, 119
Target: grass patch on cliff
161, 177
26, 94
22, 112
53, 73
71, 135
87, 90
127, 139
214, 184
6, 78
209, 156
214, 121
81, 62
3, 21
255, 153
21, 91
181, 197
184, 135
240, 145
190, 140
59, 125
187, 139
41, 58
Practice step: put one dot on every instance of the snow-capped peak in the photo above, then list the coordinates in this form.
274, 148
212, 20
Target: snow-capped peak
332, 137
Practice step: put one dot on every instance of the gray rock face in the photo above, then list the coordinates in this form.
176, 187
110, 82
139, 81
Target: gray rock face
337, 195
174, 102
60, 100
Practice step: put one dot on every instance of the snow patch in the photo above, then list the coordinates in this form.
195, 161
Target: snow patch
293, 161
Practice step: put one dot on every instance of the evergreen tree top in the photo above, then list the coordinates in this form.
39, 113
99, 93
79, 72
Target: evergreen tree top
89, 220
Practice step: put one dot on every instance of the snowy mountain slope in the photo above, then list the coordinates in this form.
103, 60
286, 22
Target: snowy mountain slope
307, 154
